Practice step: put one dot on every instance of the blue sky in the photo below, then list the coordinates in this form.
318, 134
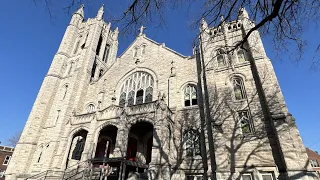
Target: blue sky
29, 40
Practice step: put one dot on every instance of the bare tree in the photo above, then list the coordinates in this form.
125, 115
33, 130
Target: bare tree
284, 21
13, 140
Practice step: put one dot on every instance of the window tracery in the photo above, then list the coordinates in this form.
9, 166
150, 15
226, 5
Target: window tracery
137, 89
190, 95
192, 142
91, 108
245, 122
238, 88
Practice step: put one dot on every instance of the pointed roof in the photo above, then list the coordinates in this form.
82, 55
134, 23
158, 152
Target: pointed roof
80, 10
100, 12
154, 42
243, 14
203, 24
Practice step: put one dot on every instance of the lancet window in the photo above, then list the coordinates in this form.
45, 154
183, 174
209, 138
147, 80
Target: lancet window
190, 95
241, 56
192, 142
137, 89
245, 122
238, 88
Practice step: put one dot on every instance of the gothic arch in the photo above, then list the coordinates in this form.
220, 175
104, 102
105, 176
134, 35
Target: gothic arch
181, 88
137, 87
137, 120
68, 145
230, 76
129, 73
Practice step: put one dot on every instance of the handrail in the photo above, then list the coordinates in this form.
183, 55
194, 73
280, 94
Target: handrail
39, 174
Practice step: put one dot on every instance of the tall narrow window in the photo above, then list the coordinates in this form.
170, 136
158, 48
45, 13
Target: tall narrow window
100, 72
65, 91
76, 47
122, 100
190, 95
6, 160
77, 152
136, 89
221, 61
139, 97
143, 50
192, 142
106, 53
99, 46
135, 52
39, 158
245, 122
93, 70
148, 94
238, 88
241, 56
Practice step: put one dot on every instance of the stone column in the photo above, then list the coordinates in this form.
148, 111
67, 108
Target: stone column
120, 149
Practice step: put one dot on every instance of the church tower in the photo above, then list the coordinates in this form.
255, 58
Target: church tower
87, 50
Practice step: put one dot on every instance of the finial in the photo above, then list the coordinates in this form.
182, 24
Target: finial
141, 30
116, 33
80, 10
100, 12
221, 18
203, 24
243, 14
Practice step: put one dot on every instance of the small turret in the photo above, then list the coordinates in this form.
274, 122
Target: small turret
203, 24
243, 14
78, 16
100, 13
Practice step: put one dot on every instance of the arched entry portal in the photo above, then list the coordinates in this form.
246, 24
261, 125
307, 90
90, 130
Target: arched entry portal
140, 142
107, 134
77, 147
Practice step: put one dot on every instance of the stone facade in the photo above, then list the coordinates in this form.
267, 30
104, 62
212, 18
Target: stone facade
143, 106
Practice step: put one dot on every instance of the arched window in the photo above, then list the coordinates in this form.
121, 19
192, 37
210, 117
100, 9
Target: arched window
190, 95
135, 52
90, 108
241, 56
106, 53
221, 61
143, 50
238, 88
245, 122
78, 149
192, 142
137, 89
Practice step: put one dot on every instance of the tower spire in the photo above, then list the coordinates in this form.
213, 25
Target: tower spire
203, 24
100, 12
243, 14
80, 10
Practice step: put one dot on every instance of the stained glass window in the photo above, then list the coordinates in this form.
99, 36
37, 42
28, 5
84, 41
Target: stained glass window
137, 89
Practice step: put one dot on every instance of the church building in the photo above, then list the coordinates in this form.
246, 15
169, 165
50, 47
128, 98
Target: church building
153, 113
